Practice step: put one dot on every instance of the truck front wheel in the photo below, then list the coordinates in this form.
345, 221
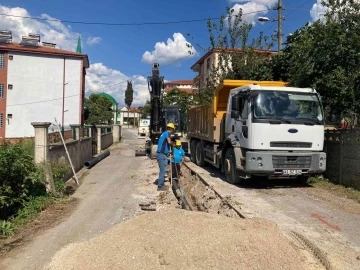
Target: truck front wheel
231, 173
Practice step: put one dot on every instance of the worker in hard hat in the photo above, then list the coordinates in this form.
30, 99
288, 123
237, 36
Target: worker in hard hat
162, 153
178, 155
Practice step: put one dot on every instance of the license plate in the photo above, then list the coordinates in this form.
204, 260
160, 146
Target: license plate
291, 172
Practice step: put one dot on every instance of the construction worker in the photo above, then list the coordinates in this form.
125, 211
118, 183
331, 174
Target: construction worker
178, 155
162, 153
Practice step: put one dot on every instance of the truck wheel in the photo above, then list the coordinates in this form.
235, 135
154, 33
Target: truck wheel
200, 155
193, 150
231, 173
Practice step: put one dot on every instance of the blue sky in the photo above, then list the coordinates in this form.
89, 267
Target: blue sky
116, 53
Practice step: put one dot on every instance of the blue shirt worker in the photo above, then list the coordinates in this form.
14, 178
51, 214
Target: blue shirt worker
162, 153
178, 155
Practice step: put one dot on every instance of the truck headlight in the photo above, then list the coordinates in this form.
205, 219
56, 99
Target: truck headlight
320, 164
260, 165
252, 159
259, 159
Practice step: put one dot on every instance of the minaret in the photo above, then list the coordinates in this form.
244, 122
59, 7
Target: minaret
78, 48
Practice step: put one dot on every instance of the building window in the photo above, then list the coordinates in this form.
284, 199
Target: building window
208, 65
1, 90
2, 60
1, 120
9, 115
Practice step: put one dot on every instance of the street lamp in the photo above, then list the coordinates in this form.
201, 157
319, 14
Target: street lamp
279, 19
264, 19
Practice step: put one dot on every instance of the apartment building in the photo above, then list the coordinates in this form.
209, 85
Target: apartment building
183, 85
210, 60
38, 83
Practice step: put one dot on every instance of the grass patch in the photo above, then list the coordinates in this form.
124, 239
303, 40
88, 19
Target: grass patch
340, 190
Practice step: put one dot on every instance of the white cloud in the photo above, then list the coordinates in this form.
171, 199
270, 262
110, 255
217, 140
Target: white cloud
100, 79
251, 9
175, 49
93, 40
317, 11
50, 31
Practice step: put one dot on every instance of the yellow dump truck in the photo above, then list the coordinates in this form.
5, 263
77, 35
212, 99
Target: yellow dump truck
259, 128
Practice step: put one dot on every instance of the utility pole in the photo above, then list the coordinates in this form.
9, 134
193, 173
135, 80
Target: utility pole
280, 19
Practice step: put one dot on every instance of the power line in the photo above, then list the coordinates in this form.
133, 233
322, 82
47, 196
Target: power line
120, 24
41, 101
292, 10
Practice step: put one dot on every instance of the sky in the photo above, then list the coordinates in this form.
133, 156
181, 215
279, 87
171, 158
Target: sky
118, 53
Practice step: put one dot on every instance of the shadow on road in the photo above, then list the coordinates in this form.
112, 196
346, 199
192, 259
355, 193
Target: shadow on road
259, 182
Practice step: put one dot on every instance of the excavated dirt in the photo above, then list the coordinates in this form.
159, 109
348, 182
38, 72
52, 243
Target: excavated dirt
203, 198
179, 239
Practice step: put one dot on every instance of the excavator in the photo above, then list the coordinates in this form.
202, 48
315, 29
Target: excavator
159, 114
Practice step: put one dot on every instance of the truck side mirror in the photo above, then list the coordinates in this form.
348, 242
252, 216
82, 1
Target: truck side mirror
235, 103
235, 114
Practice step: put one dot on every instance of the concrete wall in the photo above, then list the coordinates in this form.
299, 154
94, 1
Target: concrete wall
79, 151
37, 78
106, 140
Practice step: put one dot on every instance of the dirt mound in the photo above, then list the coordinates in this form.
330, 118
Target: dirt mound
178, 239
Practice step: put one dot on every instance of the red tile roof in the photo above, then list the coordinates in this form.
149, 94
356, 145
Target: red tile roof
186, 82
16, 47
230, 50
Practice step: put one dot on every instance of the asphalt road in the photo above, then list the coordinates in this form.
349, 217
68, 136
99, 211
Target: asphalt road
109, 195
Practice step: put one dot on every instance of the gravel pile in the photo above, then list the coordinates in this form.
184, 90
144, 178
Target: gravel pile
178, 239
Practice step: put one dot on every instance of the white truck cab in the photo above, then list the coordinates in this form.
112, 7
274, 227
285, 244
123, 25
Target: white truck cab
276, 131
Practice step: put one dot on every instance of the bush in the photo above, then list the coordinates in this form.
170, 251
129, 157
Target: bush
20, 178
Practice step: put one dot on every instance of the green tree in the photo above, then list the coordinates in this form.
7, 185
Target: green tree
183, 100
325, 56
238, 56
146, 109
129, 96
100, 109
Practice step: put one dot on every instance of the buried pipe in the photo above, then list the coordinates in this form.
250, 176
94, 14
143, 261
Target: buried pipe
180, 194
88, 164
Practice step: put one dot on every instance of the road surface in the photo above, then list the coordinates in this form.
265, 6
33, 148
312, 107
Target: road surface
332, 223
109, 195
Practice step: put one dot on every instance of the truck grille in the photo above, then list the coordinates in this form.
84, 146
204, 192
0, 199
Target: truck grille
291, 144
291, 162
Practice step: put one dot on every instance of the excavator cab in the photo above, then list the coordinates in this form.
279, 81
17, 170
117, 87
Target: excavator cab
172, 115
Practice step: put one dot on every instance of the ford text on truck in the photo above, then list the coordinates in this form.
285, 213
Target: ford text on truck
259, 129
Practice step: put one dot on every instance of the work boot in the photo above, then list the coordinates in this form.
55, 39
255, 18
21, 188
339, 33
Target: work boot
163, 188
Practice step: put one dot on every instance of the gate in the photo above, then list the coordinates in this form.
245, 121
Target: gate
343, 157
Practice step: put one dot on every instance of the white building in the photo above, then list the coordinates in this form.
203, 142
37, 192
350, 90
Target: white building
210, 60
132, 116
39, 83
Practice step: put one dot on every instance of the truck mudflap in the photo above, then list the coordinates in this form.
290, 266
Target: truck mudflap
285, 163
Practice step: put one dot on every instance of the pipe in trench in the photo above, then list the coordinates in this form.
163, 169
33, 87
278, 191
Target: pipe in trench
88, 164
180, 195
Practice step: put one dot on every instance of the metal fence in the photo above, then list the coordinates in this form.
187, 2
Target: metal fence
343, 157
